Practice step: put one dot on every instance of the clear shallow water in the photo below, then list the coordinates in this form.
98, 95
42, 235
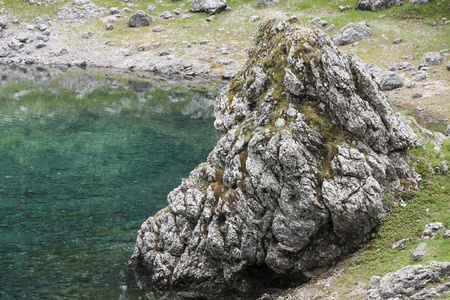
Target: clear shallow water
84, 160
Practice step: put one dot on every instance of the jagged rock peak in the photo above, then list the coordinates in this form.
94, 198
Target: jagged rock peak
309, 146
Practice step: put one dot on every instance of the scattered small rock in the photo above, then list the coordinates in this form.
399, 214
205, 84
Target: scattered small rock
229, 75
389, 81
399, 244
393, 67
431, 229
397, 41
417, 95
184, 17
109, 26
126, 10
140, 19
144, 46
352, 32
177, 11
211, 18
419, 75
166, 15
419, 253
253, 19
156, 45
158, 28
430, 59
211, 7
448, 65
408, 57
265, 3
447, 131
151, 7
127, 52
332, 27
204, 42
374, 5
87, 35
317, 22
114, 11
343, 8
443, 168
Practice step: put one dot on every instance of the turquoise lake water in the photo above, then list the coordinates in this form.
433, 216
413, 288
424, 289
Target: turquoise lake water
84, 161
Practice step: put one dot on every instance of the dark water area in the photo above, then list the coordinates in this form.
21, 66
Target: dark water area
84, 160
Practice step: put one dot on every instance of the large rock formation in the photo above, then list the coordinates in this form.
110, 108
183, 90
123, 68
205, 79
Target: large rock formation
309, 147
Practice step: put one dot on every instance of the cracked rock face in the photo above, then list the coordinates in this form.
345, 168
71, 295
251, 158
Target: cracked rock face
309, 146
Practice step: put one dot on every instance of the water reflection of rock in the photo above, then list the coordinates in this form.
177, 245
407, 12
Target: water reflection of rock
13, 74
201, 105
81, 85
153, 95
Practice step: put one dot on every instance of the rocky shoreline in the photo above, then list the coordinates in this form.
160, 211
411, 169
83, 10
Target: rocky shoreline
45, 41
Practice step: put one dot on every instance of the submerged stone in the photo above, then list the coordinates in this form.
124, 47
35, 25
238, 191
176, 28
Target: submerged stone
309, 147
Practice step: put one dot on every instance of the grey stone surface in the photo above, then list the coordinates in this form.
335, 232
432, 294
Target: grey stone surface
352, 32
253, 19
332, 27
419, 75
79, 11
443, 287
417, 95
144, 46
88, 35
430, 59
374, 5
262, 210
447, 232
408, 283
389, 81
431, 229
264, 3
140, 19
400, 243
166, 15
209, 6
419, 253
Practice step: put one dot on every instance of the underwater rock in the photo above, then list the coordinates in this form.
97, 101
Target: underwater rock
309, 147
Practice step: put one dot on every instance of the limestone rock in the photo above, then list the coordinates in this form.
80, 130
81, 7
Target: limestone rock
209, 6
265, 3
408, 282
374, 5
309, 146
432, 228
166, 15
430, 59
79, 11
419, 253
140, 19
389, 81
352, 32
